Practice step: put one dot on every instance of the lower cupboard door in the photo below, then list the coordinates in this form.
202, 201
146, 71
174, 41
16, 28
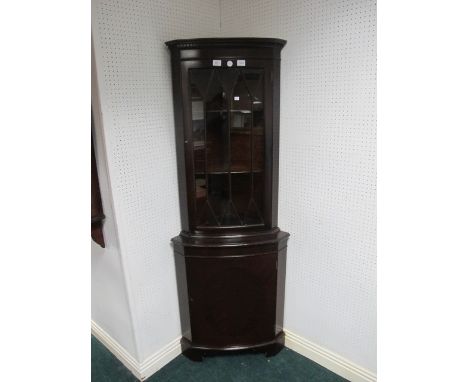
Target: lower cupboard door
232, 300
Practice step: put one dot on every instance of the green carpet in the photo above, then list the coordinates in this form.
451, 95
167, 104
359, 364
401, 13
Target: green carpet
287, 366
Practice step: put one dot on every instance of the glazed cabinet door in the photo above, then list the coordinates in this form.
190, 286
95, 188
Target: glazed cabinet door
228, 134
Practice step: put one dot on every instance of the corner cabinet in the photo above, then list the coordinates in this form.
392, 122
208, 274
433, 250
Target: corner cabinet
230, 254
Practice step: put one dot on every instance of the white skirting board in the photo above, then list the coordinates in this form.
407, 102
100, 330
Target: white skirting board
328, 359
152, 364
141, 370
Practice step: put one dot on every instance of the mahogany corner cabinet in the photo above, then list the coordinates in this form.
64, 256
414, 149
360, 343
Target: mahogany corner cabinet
230, 255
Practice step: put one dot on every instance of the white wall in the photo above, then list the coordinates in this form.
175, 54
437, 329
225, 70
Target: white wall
327, 177
136, 98
109, 299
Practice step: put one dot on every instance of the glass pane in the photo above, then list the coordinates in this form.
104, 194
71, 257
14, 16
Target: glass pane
254, 80
217, 134
247, 145
217, 142
241, 124
219, 197
199, 84
228, 144
241, 192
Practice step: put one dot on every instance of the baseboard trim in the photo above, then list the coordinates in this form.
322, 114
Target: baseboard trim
159, 359
308, 349
328, 359
141, 370
115, 348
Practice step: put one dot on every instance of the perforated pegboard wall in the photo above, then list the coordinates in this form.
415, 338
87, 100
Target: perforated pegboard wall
327, 194
136, 97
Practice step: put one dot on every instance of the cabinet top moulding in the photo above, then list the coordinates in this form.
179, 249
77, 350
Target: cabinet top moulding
207, 48
244, 42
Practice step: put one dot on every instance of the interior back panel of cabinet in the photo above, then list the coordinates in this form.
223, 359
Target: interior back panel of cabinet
327, 178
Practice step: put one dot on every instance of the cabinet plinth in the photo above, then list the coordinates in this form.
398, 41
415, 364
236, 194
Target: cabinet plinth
230, 256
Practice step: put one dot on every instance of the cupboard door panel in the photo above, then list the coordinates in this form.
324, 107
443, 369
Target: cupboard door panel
232, 300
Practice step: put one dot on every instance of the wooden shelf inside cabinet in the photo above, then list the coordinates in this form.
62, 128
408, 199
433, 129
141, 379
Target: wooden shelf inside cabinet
232, 111
230, 254
233, 172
